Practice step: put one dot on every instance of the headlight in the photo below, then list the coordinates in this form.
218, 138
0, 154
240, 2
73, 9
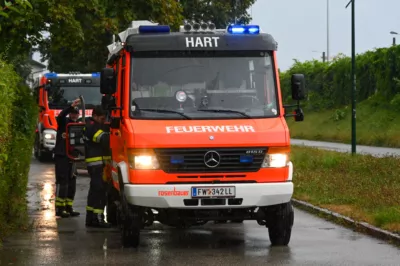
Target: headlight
276, 157
142, 161
49, 136
275, 160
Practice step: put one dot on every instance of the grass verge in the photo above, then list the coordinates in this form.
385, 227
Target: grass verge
378, 124
362, 187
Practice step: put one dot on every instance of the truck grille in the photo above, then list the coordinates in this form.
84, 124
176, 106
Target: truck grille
194, 160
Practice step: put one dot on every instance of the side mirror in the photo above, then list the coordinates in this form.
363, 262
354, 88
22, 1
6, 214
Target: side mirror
298, 87
108, 102
107, 81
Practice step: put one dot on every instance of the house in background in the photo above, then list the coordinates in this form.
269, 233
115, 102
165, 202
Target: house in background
37, 71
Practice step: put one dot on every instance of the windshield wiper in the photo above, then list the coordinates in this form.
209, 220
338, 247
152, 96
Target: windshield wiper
224, 111
165, 111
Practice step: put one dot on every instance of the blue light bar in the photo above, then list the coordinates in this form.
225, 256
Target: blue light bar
96, 74
154, 29
50, 75
177, 159
246, 158
244, 29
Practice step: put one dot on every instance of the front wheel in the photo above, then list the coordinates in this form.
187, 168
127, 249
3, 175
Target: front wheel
38, 151
112, 208
281, 223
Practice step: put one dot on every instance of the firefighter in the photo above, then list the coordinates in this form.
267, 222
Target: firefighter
97, 141
65, 169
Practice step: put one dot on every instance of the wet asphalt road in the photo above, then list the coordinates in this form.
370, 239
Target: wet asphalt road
55, 241
340, 147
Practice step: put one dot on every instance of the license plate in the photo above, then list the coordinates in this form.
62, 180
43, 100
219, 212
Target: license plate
213, 192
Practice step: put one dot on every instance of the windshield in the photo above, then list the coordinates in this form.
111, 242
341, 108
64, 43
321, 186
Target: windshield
61, 97
228, 85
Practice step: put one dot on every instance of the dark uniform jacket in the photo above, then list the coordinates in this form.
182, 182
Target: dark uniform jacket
62, 121
97, 143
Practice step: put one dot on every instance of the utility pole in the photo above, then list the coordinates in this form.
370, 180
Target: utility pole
327, 30
394, 37
353, 80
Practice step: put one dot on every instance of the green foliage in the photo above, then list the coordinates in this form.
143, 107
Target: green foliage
329, 84
81, 30
220, 12
18, 112
96, 23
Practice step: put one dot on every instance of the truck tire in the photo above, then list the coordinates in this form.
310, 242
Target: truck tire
130, 219
280, 227
112, 208
130, 234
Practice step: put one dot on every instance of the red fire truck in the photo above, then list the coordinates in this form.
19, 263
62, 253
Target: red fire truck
55, 92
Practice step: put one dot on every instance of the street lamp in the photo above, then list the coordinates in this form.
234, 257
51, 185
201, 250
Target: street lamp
327, 30
353, 80
394, 38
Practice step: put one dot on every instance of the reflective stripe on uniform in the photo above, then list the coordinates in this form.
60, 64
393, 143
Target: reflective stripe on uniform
60, 202
88, 208
69, 202
97, 136
98, 211
94, 161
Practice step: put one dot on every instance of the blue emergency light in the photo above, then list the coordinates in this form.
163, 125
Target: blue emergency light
246, 158
243, 29
177, 159
154, 29
96, 74
50, 75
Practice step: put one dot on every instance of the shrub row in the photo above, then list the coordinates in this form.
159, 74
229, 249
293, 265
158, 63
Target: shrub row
329, 84
18, 112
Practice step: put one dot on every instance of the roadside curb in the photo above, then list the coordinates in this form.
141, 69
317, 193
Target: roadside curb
361, 227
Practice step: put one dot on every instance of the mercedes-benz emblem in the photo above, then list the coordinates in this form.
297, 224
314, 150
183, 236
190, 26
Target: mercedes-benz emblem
212, 159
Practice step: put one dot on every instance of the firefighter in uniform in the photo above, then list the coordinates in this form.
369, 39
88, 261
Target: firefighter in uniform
65, 169
97, 141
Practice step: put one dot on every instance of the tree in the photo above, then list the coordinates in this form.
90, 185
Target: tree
97, 27
220, 12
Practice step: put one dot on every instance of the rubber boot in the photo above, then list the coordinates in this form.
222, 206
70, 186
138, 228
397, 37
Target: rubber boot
98, 221
61, 212
71, 211
89, 218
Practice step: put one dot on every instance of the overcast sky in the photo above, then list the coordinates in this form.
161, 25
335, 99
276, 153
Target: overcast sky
299, 26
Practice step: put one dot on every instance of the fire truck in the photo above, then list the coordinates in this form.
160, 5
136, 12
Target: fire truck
197, 129
55, 92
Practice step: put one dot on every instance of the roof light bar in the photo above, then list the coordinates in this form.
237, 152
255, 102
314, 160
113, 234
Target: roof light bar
193, 26
243, 29
96, 74
50, 75
154, 29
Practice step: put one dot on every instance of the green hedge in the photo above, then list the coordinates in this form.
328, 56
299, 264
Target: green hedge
18, 112
329, 84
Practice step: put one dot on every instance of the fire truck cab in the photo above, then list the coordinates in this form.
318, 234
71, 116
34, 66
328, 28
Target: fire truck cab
55, 92
197, 129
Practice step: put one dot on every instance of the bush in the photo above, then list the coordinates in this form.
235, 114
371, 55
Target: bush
329, 84
18, 113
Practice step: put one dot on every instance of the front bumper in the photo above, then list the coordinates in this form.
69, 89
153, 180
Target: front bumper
49, 139
174, 196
